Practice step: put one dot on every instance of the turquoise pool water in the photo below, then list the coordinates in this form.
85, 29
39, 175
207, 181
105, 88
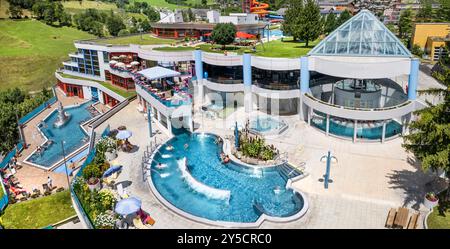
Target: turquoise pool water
71, 133
264, 124
246, 186
363, 131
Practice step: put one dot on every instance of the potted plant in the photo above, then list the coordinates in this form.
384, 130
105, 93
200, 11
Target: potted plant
431, 200
92, 176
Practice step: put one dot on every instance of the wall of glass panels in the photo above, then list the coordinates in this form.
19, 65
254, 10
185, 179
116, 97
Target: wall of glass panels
276, 80
223, 74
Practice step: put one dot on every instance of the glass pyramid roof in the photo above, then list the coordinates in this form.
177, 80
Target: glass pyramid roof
361, 35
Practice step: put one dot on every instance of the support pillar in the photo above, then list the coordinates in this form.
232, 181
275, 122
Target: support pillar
247, 73
355, 130
413, 78
199, 75
327, 129
383, 132
149, 117
309, 115
304, 82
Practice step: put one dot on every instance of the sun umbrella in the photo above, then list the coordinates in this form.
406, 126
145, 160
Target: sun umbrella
113, 62
120, 64
115, 57
208, 34
128, 206
124, 134
244, 35
112, 170
134, 63
122, 56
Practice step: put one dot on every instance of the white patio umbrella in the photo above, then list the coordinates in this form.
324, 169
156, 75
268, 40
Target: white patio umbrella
120, 64
134, 63
113, 62
124, 134
122, 56
115, 57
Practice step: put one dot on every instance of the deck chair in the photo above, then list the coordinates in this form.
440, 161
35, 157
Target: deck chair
391, 217
47, 190
413, 221
138, 223
122, 193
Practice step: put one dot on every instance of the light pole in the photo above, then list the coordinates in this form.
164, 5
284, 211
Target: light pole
65, 163
140, 30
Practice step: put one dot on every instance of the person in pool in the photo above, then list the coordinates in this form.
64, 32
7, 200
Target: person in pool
169, 147
186, 146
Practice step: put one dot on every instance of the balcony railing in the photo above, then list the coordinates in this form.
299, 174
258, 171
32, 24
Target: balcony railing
224, 81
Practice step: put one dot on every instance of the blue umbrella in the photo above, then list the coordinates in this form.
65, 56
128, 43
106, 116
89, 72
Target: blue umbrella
236, 136
124, 134
112, 170
128, 206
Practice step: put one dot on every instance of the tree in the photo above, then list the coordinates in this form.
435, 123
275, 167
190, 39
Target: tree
291, 19
444, 12
417, 50
343, 17
429, 137
309, 28
204, 3
145, 25
114, 24
330, 23
152, 14
405, 24
425, 12
190, 15
15, 11
223, 34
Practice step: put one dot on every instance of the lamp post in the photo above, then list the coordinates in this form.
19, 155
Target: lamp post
329, 159
65, 164
140, 30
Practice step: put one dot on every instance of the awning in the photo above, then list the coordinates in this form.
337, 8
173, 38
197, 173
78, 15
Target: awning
154, 73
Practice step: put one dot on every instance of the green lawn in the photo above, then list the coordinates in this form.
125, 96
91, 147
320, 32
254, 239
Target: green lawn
174, 48
31, 51
285, 49
164, 4
218, 48
134, 39
118, 90
38, 213
75, 7
437, 220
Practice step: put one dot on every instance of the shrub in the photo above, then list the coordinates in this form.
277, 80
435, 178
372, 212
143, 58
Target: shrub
107, 198
92, 171
105, 220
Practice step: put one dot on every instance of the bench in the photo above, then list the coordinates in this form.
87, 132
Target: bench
413, 221
401, 219
390, 218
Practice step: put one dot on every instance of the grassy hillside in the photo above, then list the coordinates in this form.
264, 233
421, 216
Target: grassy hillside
164, 4
31, 52
75, 6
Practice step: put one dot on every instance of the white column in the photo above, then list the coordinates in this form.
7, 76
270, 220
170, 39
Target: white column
169, 125
327, 129
309, 115
383, 133
355, 130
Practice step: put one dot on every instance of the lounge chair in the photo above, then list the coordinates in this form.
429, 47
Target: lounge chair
391, 217
413, 221
122, 193
47, 190
138, 223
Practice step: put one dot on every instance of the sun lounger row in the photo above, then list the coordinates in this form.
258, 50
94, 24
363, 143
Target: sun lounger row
399, 218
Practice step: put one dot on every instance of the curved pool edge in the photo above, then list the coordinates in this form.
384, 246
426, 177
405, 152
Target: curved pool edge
226, 224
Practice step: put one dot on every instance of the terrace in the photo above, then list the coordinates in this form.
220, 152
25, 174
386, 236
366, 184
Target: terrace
160, 83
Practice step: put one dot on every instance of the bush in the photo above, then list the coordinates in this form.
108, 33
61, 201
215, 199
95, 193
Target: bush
417, 50
92, 171
106, 220
107, 198
123, 32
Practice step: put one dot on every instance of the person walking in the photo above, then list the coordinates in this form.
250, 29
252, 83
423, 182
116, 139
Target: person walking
50, 182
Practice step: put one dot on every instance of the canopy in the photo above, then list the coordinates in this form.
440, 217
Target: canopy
207, 34
128, 206
244, 35
113, 62
157, 72
120, 64
134, 63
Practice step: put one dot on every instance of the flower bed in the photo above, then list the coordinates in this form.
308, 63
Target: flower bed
98, 203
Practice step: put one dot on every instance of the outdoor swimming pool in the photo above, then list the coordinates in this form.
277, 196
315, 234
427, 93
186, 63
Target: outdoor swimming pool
365, 131
71, 133
267, 125
218, 192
